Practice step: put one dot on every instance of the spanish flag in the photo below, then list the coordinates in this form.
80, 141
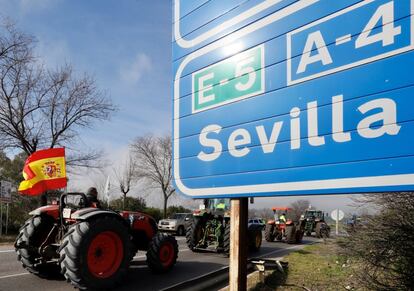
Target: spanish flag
44, 170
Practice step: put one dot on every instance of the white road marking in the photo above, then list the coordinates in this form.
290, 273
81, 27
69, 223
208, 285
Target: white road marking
143, 256
14, 275
7, 251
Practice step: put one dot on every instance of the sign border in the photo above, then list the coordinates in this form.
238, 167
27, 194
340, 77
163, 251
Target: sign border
277, 189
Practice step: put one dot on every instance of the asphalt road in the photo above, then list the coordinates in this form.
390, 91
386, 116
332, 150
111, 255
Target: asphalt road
189, 265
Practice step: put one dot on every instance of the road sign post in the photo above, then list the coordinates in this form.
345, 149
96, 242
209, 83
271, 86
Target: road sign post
238, 248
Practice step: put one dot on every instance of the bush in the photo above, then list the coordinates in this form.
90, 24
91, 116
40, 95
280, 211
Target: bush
171, 210
383, 244
156, 213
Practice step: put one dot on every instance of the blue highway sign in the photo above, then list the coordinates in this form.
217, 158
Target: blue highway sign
288, 97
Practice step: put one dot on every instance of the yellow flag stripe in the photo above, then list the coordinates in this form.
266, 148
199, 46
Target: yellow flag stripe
38, 168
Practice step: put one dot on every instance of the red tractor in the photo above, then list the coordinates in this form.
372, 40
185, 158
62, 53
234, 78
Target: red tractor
91, 247
284, 229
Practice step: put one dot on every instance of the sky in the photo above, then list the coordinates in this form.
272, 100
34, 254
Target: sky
126, 46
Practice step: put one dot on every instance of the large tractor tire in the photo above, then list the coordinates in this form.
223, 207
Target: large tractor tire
269, 232
255, 240
299, 235
162, 253
322, 230
31, 236
290, 232
226, 239
95, 254
194, 233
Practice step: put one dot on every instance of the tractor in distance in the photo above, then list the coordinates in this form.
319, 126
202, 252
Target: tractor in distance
284, 229
91, 247
315, 222
210, 228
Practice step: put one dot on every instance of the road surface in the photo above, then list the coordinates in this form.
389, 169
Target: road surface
189, 265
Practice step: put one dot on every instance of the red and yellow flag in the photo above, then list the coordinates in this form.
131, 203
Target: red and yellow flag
44, 170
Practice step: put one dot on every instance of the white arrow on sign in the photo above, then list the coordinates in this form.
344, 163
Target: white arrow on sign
337, 215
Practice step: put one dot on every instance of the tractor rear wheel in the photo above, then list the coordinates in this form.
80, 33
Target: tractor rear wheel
95, 254
162, 253
299, 235
290, 232
322, 230
226, 239
194, 233
269, 232
31, 236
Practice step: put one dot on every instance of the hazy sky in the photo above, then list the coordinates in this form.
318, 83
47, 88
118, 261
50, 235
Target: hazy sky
126, 45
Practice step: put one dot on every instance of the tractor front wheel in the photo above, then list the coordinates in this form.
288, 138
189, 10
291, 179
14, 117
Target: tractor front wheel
95, 254
162, 253
31, 236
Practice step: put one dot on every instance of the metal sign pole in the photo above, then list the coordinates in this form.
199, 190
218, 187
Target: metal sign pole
7, 217
238, 247
1, 218
337, 221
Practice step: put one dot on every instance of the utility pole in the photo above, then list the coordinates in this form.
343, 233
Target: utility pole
238, 246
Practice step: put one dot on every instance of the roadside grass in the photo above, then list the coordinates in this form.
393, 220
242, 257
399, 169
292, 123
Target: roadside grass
315, 267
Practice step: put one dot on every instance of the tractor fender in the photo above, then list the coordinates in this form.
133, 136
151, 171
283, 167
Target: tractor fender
51, 210
270, 221
93, 213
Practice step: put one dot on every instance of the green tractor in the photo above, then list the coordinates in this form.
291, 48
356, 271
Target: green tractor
315, 222
210, 228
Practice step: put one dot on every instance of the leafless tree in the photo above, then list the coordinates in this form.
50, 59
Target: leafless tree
125, 177
298, 208
153, 156
41, 108
381, 244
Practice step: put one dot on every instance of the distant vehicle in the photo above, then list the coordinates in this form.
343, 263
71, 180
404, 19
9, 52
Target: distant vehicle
284, 230
209, 229
176, 223
257, 221
315, 222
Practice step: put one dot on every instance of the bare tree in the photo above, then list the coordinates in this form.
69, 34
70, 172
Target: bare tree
298, 208
153, 156
125, 177
41, 108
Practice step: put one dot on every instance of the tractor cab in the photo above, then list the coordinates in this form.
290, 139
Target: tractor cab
316, 215
219, 204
